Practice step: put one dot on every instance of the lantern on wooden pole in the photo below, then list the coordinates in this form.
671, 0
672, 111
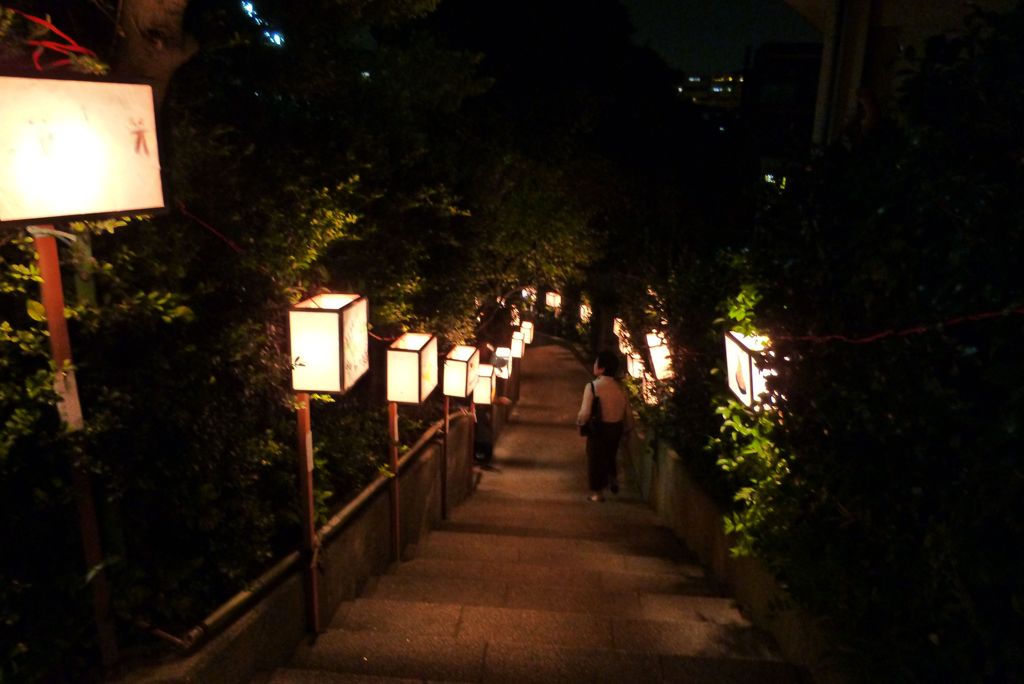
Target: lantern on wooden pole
329, 351
412, 376
461, 375
73, 149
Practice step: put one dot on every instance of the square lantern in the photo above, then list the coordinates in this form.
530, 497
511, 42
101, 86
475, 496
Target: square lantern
553, 300
585, 313
412, 368
649, 389
73, 149
329, 346
661, 359
484, 391
619, 328
527, 328
635, 365
503, 362
461, 371
746, 378
518, 344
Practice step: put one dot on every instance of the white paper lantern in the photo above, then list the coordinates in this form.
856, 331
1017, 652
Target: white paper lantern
527, 329
487, 385
503, 362
73, 149
746, 378
553, 300
412, 368
661, 359
461, 371
635, 365
585, 313
329, 342
518, 346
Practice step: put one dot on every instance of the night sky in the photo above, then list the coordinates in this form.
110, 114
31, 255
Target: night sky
705, 36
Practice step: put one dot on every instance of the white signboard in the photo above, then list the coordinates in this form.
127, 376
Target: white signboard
70, 149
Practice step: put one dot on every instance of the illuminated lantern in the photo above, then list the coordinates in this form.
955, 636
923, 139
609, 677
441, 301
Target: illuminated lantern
412, 368
529, 294
619, 328
487, 385
553, 300
72, 149
661, 360
527, 329
585, 313
503, 362
746, 378
518, 344
649, 389
461, 371
635, 365
329, 345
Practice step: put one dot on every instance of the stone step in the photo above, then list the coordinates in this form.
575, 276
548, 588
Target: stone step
457, 545
555, 523
556, 576
551, 627
475, 660
294, 676
510, 594
410, 656
630, 540
612, 509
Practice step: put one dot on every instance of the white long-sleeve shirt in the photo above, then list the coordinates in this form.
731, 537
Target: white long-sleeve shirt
614, 402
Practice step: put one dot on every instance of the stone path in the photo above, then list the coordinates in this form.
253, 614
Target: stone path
530, 582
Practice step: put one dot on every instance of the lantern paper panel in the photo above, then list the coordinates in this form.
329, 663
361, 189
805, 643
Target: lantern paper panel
461, 371
72, 149
635, 365
661, 359
518, 346
746, 378
527, 329
503, 362
412, 368
514, 316
485, 388
329, 345
553, 300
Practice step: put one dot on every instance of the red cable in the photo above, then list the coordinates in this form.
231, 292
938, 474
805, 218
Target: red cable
228, 241
916, 330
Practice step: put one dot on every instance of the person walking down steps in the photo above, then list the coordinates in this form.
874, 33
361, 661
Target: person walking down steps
604, 435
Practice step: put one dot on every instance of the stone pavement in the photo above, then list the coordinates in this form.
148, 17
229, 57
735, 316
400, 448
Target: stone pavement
529, 582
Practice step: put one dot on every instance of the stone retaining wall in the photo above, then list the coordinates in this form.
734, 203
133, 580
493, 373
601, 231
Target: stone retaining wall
358, 548
696, 519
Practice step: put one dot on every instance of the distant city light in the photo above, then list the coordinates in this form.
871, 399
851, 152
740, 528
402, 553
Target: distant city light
694, 79
679, 89
274, 37
716, 89
769, 178
365, 75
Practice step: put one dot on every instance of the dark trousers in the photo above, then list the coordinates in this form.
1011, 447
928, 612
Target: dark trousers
602, 449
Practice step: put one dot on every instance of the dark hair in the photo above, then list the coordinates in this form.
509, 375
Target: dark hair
609, 361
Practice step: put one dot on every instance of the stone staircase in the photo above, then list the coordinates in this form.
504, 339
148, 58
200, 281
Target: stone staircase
515, 590
530, 582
